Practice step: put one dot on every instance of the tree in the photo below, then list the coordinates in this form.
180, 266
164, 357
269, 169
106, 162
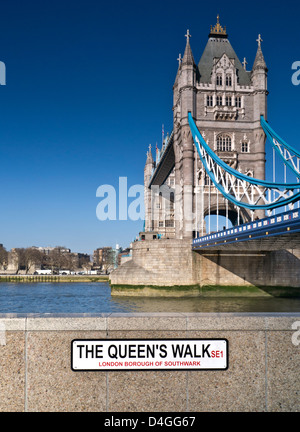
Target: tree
108, 260
3, 257
28, 257
56, 259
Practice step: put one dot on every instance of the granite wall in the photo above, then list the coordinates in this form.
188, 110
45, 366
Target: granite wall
169, 262
263, 373
267, 269
164, 262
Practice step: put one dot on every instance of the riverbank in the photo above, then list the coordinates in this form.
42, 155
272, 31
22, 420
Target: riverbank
204, 291
53, 278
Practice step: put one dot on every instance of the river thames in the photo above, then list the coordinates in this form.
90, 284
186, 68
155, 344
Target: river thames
95, 298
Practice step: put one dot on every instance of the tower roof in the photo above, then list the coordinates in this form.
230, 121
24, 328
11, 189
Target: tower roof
215, 48
179, 67
188, 58
149, 159
218, 44
259, 62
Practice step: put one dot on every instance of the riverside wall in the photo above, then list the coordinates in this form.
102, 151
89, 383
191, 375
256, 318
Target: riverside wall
172, 262
262, 375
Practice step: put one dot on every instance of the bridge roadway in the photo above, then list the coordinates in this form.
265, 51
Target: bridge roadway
278, 232
165, 164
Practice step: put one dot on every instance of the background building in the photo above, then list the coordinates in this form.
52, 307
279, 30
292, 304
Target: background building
106, 259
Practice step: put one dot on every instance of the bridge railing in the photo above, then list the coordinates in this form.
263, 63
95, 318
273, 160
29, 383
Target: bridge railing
279, 224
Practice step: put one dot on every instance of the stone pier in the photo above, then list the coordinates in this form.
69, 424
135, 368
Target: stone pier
172, 263
157, 262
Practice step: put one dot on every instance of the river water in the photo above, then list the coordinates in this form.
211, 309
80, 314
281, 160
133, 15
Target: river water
95, 298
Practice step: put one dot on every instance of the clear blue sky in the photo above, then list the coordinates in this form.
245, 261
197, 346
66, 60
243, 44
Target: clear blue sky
89, 85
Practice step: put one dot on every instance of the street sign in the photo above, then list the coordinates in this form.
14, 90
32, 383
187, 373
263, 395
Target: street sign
149, 354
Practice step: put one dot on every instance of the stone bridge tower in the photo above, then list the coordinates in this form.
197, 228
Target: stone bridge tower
226, 100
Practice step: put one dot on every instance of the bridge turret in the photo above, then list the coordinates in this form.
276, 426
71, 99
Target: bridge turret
185, 94
259, 62
187, 81
176, 92
148, 170
259, 82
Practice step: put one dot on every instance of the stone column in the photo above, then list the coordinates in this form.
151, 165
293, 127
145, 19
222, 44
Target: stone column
188, 182
178, 184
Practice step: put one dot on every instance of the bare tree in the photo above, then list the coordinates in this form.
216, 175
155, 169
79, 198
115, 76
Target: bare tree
33, 257
108, 260
56, 259
3, 257
28, 257
59, 258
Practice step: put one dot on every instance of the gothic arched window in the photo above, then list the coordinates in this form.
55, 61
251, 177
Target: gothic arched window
228, 100
171, 202
209, 101
224, 143
228, 81
245, 147
219, 80
238, 102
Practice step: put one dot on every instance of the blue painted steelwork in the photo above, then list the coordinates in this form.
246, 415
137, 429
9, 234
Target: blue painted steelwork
287, 153
284, 223
242, 190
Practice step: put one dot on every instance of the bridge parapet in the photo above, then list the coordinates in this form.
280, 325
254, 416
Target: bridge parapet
281, 231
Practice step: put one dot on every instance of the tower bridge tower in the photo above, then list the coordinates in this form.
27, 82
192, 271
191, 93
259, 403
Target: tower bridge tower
226, 101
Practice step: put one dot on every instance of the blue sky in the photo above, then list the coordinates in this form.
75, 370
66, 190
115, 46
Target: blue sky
89, 85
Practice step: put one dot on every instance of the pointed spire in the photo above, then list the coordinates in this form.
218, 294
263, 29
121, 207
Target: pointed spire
188, 58
149, 156
259, 62
179, 61
178, 70
259, 40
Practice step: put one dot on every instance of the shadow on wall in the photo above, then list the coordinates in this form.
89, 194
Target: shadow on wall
266, 270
